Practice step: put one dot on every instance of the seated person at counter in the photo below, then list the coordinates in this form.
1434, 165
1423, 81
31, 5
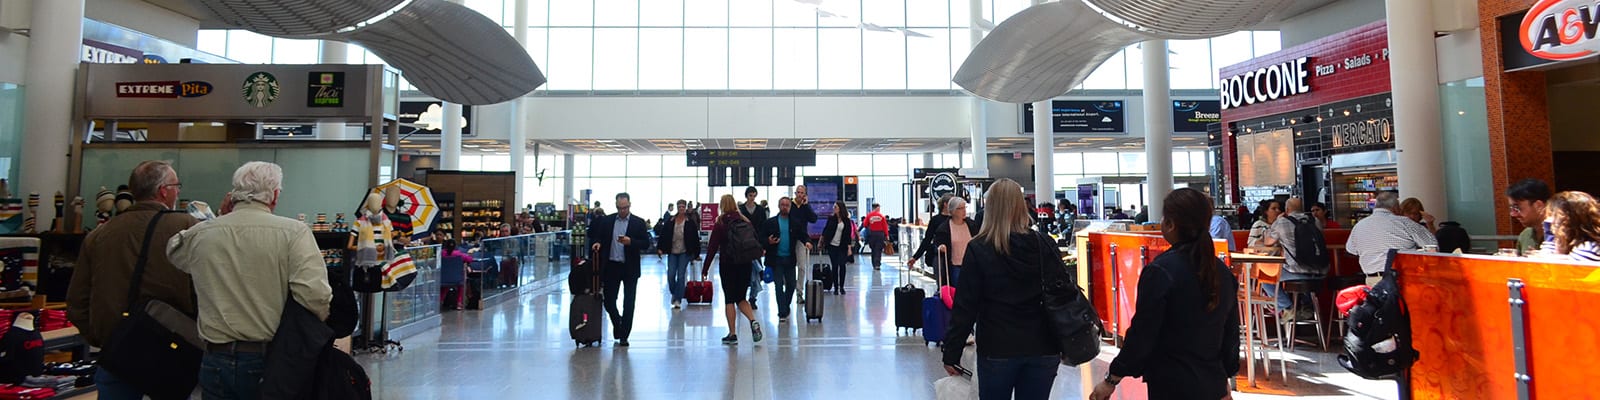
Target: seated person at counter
1281, 237
1411, 207
1267, 213
1373, 237
1528, 198
453, 266
1575, 220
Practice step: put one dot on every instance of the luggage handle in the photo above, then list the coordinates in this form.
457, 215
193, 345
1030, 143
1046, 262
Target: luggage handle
944, 262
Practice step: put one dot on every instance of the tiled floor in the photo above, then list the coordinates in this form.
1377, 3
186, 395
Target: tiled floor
520, 349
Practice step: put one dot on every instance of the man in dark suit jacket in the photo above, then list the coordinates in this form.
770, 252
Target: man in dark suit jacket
785, 237
620, 238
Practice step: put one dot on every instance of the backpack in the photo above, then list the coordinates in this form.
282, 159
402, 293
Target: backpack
1377, 344
1452, 237
742, 245
1310, 248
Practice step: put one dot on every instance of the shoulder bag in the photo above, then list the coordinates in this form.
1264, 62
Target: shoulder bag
1068, 313
160, 356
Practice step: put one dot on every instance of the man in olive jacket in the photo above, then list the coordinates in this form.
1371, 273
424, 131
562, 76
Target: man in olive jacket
106, 261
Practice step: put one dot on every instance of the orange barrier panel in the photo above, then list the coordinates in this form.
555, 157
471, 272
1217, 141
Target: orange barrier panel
1461, 324
1115, 261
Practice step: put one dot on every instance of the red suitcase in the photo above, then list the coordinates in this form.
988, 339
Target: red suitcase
698, 292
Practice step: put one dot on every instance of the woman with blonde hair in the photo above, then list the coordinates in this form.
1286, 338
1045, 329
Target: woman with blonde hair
1001, 292
735, 276
1575, 224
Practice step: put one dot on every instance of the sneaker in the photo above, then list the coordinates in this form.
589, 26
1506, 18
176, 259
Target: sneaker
675, 305
755, 331
1288, 315
753, 305
731, 339
622, 343
783, 320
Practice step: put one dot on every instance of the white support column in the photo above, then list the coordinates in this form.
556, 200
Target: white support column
1414, 77
1157, 125
54, 47
332, 52
1044, 152
450, 141
567, 180
519, 119
979, 123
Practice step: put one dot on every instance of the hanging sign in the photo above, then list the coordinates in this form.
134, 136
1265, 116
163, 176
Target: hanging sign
1560, 29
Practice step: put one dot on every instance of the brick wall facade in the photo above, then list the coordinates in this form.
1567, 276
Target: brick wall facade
1519, 123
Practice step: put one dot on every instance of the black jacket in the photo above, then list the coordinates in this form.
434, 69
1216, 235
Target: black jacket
1173, 342
600, 232
833, 226
927, 246
797, 233
1002, 295
754, 217
942, 235
666, 231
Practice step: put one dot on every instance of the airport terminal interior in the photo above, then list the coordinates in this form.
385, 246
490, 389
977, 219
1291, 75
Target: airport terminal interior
779, 199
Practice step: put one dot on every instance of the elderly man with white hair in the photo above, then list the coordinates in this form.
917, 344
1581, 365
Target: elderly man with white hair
1373, 237
244, 263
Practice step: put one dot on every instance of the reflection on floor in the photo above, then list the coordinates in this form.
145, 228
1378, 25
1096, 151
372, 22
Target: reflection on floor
520, 349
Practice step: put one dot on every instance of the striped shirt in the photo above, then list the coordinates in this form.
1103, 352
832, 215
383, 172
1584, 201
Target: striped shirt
1373, 237
1588, 251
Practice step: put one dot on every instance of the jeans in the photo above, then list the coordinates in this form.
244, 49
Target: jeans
1029, 377
1284, 302
229, 376
111, 388
678, 274
623, 320
756, 285
783, 279
839, 257
876, 239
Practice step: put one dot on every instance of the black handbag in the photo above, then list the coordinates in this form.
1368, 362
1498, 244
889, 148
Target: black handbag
158, 356
1069, 315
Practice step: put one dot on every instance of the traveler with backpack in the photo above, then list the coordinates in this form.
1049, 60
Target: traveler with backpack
1305, 256
1184, 338
735, 238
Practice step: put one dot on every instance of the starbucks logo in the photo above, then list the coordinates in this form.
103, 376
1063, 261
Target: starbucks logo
260, 89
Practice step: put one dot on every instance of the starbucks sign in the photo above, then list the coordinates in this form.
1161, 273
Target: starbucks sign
260, 89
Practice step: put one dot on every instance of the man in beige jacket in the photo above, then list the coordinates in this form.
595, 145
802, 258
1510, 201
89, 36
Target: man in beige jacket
244, 265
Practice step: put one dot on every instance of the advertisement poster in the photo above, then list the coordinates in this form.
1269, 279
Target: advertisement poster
1086, 206
1080, 116
1193, 115
823, 195
708, 216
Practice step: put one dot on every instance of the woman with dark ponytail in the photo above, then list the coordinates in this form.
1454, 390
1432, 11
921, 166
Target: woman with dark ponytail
1184, 339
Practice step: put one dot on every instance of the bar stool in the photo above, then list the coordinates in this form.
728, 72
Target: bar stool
1260, 305
1295, 289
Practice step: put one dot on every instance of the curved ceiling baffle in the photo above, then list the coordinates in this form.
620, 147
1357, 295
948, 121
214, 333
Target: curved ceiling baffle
446, 50
1046, 50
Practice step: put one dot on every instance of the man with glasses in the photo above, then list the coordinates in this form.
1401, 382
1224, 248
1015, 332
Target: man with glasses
1527, 198
98, 293
620, 238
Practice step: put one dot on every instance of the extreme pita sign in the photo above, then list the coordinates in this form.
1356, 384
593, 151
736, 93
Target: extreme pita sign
1561, 29
1266, 84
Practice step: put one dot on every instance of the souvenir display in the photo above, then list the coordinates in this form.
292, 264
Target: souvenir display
19, 263
75, 224
339, 224
105, 204
59, 223
124, 198
322, 223
11, 214
31, 218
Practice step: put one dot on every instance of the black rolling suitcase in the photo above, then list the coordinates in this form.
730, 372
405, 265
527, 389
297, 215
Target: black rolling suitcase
908, 305
588, 315
815, 291
474, 291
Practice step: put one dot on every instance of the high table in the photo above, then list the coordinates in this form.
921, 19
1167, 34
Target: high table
1245, 263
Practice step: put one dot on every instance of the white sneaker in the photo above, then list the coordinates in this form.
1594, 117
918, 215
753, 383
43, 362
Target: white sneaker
675, 305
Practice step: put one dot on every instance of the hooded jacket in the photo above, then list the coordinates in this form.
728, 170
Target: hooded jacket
1002, 295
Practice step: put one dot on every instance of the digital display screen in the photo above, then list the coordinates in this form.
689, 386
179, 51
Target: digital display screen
823, 197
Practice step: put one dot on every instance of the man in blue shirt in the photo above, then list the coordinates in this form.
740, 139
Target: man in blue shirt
620, 238
786, 236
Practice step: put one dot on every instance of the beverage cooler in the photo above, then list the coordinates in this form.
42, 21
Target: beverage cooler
1356, 191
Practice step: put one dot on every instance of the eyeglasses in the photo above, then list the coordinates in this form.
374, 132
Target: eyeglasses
178, 185
1516, 207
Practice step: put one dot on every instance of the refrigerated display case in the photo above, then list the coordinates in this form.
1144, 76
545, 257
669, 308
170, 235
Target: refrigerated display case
1355, 193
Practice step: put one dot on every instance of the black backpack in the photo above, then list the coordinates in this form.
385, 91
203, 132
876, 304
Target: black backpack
1381, 322
742, 245
1310, 249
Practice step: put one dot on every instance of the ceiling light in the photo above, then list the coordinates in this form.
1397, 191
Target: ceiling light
1097, 139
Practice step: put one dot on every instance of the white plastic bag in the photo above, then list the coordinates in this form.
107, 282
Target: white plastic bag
955, 388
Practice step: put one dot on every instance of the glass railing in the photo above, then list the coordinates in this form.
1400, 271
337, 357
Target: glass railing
420, 300
508, 263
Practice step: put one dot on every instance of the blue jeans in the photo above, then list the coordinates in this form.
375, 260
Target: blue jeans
112, 388
1028, 377
229, 376
783, 279
756, 285
1284, 302
677, 274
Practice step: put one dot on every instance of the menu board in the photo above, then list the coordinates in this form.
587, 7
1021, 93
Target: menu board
1266, 159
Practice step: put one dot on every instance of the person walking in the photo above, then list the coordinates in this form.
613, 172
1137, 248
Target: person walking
246, 264
1575, 225
927, 247
950, 238
877, 233
98, 293
754, 211
735, 276
1000, 293
620, 238
679, 240
838, 237
1184, 338
784, 236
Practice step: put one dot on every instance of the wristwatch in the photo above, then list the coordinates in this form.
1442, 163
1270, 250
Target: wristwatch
1113, 379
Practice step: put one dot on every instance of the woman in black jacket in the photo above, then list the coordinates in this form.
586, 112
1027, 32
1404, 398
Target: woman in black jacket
1001, 292
927, 246
1184, 339
951, 247
684, 226
838, 238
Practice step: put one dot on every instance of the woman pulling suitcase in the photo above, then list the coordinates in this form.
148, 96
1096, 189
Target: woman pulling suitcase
735, 273
837, 239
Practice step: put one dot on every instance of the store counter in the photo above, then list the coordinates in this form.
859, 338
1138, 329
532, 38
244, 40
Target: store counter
1479, 322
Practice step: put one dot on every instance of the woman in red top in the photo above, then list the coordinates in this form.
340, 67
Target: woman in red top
1320, 211
735, 278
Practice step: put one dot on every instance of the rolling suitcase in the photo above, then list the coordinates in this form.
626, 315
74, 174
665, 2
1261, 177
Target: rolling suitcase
698, 292
823, 272
474, 291
908, 305
588, 315
935, 315
813, 300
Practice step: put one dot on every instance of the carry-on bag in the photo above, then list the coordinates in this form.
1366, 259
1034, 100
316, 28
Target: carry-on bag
935, 314
823, 272
588, 316
947, 291
157, 353
698, 292
908, 305
474, 291
814, 300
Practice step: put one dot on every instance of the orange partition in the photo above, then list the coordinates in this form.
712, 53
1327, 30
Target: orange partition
1461, 324
1115, 261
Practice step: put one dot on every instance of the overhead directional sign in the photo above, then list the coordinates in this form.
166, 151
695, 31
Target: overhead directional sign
752, 158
